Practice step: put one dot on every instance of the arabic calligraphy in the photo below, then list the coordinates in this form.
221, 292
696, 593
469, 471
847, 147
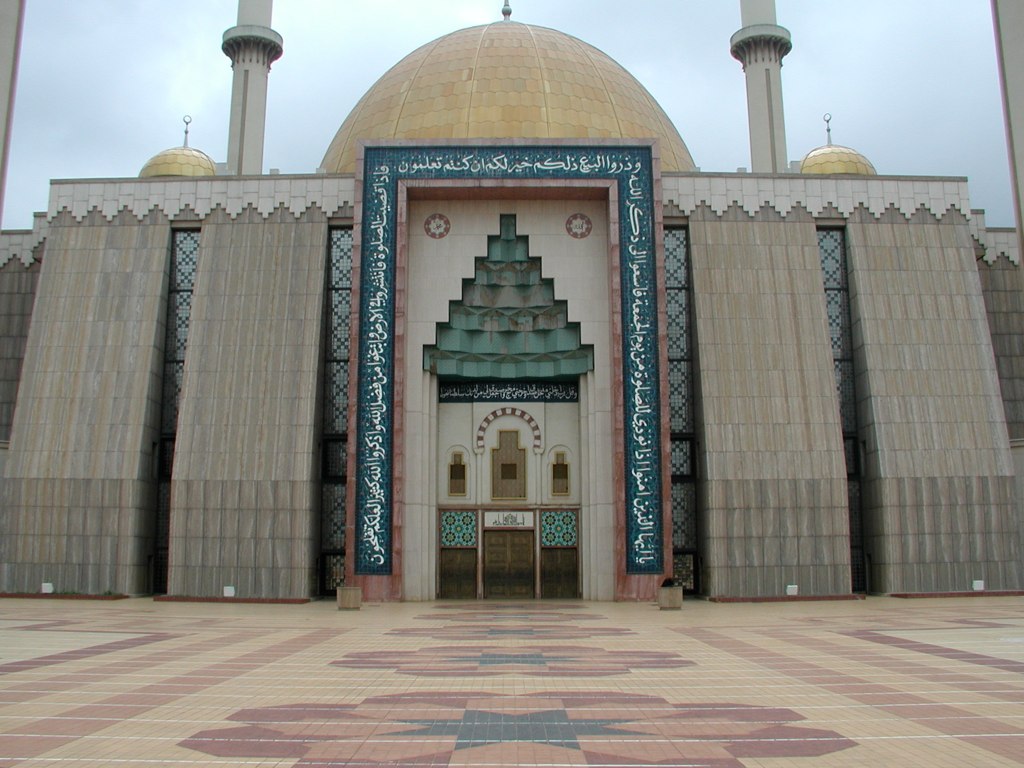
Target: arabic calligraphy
514, 392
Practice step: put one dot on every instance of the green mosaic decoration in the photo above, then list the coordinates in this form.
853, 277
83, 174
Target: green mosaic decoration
458, 528
558, 528
508, 325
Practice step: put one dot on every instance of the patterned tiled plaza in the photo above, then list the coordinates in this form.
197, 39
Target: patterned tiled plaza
878, 682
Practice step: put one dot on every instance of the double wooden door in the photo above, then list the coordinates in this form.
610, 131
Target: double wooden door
509, 564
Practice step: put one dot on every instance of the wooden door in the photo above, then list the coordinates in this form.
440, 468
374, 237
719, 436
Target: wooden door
508, 564
458, 574
559, 573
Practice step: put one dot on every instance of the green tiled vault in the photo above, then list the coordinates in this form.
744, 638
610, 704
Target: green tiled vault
508, 324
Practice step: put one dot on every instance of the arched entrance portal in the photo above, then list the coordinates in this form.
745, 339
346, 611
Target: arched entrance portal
509, 362
509, 517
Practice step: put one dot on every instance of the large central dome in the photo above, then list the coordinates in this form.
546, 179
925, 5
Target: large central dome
507, 81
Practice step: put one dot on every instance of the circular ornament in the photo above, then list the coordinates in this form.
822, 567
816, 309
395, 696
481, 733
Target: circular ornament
579, 225
437, 225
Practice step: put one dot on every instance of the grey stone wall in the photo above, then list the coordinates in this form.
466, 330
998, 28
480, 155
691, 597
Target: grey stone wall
1002, 283
938, 476
78, 497
17, 295
773, 490
244, 505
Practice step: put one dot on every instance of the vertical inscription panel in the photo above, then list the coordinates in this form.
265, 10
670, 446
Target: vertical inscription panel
630, 168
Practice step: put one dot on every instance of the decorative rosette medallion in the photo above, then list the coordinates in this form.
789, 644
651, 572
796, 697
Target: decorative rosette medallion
579, 225
437, 226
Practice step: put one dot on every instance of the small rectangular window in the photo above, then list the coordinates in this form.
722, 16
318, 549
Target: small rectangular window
560, 476
456, 476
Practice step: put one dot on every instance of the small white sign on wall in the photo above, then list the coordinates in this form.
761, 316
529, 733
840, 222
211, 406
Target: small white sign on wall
508, 519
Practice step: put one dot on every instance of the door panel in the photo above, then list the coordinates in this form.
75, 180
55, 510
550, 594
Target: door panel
559, 573
508, 564
458, 574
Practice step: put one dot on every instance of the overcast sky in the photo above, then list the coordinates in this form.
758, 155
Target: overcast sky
103, 84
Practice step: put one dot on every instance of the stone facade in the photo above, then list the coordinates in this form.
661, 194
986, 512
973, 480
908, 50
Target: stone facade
774, 490
78, 489
936, 390
242, 496
938, 492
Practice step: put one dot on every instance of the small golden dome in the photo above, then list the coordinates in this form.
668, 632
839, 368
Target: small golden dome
833, 158
507, 81
179, 161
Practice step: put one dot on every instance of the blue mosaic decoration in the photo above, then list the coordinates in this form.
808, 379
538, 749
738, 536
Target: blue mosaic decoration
630, 167
458, 528
558, 528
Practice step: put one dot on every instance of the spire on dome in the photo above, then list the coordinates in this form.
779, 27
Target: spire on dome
835, 159
506, 11
186, 120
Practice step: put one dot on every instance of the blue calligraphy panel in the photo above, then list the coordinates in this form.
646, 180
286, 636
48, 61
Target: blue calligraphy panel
630, 167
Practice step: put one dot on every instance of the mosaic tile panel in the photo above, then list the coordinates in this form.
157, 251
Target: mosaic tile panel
558, 528
337, 327
684, 515
338, 333
174, 375
832, 251
677, 304
847, 397
332, 572
682, 457
335, 397
340, 266
458, 528
681, 409
677, 259
837, 306
830, 245
630, 168
680, 396
335, 458
332, 516
184, 261
684, 571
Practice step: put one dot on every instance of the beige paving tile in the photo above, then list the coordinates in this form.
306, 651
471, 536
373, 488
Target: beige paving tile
880, 681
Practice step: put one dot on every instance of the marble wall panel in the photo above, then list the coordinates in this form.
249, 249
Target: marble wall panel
938, 474
78, 488
243, 507
773, 490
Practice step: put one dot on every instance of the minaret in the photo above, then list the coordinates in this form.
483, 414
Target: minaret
1008, 19
12, 14
252, 47
760, 46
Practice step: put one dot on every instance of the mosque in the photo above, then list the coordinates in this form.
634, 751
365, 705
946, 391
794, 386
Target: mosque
509, 342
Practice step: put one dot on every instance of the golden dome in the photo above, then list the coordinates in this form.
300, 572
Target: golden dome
833, 158
179, 161
505, 81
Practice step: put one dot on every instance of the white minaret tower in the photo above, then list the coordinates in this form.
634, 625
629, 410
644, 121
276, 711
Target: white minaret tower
252, 47
760, 46
12, 13
1008, 19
